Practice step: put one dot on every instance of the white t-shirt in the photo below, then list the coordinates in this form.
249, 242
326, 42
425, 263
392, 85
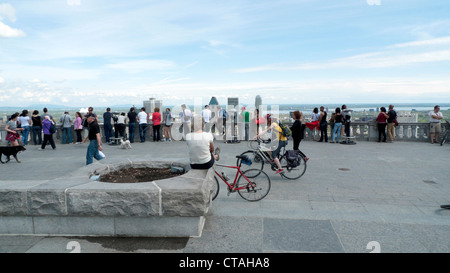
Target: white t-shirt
142, 117
206, 114
439, 114
24, 121
121, 119
198, 144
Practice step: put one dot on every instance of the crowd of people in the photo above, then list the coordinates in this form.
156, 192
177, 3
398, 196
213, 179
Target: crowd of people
41, 127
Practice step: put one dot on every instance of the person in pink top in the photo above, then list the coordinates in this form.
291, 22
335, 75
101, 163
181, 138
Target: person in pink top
156, 118
78, 127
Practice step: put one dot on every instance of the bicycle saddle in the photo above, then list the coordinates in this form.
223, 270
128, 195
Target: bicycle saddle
243, 157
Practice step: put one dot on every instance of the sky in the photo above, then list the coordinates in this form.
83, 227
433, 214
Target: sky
110, 52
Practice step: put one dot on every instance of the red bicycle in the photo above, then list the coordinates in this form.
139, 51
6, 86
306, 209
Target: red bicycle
251, 189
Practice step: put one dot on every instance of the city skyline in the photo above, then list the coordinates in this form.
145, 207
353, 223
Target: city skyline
77, 52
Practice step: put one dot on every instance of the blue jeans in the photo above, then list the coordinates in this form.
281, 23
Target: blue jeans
67, 135
142, 131
92, 152
25, 134
131, 129
37, 132
337, 128
108, 132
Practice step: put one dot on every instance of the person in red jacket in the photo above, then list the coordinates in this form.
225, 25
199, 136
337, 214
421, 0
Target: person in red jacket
156, 118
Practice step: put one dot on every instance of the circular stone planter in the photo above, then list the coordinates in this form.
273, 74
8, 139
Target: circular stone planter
78, 204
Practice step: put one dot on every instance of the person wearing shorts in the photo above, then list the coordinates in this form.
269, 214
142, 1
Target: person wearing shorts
435, 124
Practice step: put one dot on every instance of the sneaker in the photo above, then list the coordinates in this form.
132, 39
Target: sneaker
40, 149
279, 171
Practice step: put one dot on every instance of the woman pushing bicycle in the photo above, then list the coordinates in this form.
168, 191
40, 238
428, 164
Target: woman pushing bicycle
278, 136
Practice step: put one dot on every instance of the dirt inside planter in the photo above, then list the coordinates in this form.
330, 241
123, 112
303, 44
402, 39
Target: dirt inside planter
136, 175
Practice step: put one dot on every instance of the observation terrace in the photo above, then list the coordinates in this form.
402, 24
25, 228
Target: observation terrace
350, 195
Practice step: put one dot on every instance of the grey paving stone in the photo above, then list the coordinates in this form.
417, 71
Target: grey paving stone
300, 236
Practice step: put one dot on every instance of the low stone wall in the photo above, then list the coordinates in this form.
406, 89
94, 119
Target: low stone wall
79, 206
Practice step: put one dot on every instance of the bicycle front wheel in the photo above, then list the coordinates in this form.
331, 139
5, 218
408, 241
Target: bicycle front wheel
253, 188
293, 173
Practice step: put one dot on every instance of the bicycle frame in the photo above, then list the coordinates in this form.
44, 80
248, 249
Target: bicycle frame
238, 172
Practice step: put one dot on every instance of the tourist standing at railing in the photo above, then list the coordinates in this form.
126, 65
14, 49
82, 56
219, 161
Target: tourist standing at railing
167, 121
24, 120
132, 118
12, 131
107, 125
36, 128
206, 114
156, 119
47, 114
186, 116
338, 118
66, 122
314, 124
121, 125
78, 127
382, 122
143, 122
323, 125
391, 123
347, 119
435, 124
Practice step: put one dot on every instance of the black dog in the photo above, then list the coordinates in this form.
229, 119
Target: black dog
10, 151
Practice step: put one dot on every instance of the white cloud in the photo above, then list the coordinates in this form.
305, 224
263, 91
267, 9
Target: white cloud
426, 51
7, 12
8, 32
2, 80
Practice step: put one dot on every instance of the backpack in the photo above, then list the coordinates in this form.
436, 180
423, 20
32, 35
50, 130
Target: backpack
293, 158
285, 131
52, 128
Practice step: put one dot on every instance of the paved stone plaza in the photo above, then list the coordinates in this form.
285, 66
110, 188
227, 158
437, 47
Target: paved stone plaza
350, 195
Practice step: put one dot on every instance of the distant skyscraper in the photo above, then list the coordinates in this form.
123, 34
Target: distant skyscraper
213, 101
150, 105
258, 101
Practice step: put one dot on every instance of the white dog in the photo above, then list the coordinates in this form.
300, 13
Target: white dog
125, 144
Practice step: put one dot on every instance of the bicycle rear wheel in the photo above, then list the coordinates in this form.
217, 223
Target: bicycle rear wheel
255, 188
215, 189
256, 161
293, 173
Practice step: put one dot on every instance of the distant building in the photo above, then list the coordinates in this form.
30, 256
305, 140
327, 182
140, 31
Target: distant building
233, 101
213, 101
150, 105
258, 101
